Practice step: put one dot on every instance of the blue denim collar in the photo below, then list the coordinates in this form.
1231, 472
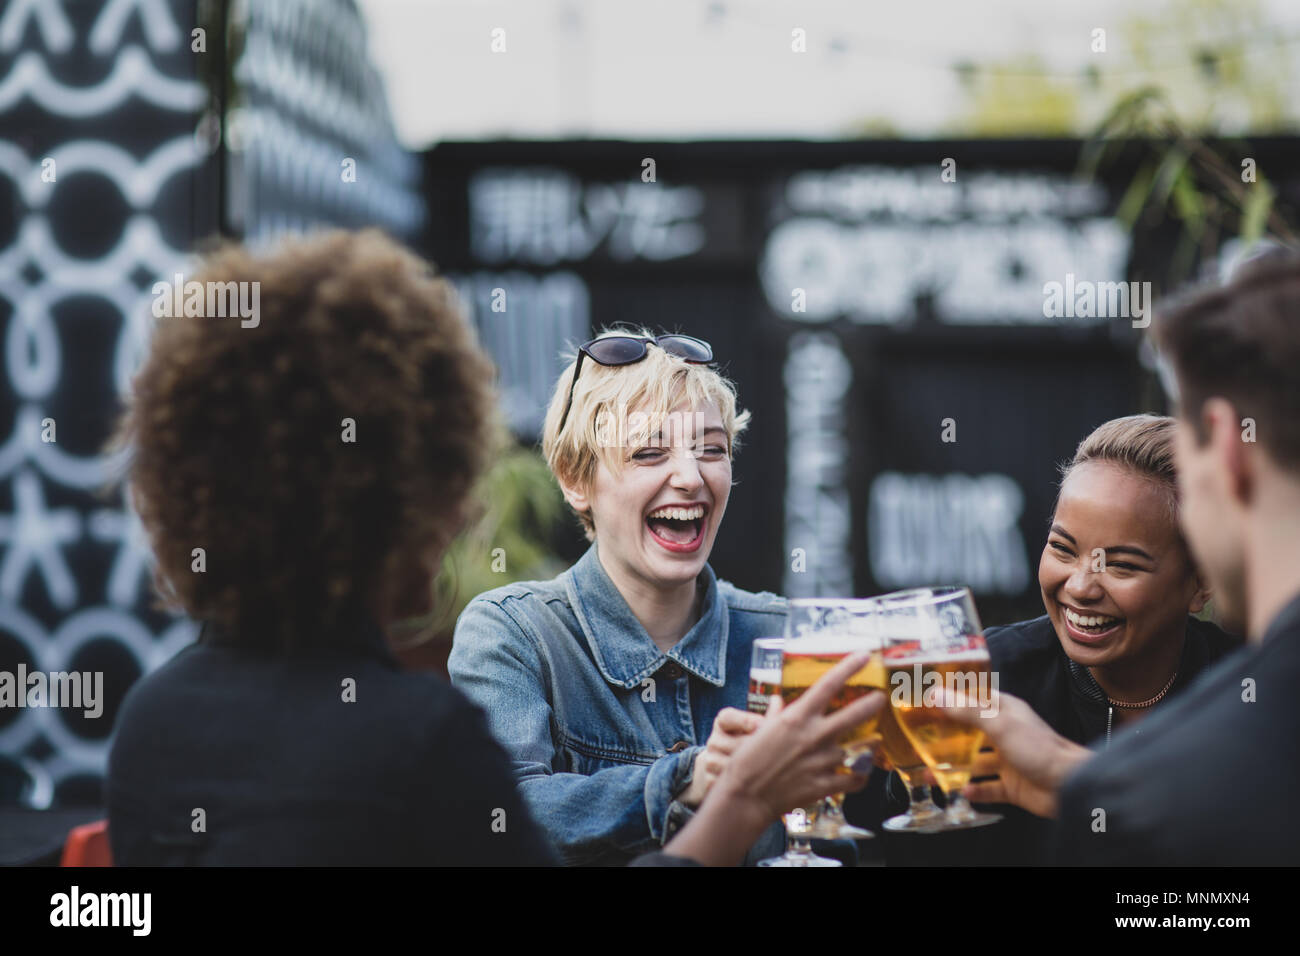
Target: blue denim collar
624, 653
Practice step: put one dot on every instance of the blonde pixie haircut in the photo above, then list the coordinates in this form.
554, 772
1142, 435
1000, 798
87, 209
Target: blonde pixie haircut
606, 395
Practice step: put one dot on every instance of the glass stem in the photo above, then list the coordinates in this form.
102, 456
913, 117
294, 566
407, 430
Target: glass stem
959, 807
799, 844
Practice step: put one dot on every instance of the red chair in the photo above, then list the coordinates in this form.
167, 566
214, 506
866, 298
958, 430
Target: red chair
87, 845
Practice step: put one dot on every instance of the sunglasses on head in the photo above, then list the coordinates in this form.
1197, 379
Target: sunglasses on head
629, 349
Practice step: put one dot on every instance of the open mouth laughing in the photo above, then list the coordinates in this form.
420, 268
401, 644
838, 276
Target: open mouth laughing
678, 527
1089, 627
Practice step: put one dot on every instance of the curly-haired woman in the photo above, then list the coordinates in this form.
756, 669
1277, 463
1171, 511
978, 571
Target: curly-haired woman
299, 478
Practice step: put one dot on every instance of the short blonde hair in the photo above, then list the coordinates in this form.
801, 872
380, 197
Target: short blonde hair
653, 386
1142, 444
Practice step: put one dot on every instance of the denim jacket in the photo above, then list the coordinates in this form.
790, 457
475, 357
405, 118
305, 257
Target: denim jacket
601, 725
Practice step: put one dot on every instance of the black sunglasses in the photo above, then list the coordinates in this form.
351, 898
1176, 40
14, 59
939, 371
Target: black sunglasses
629, 349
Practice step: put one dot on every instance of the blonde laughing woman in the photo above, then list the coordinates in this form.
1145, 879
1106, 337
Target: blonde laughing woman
618, 688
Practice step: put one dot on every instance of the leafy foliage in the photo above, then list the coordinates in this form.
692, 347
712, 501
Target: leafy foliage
520, 505
1200, 187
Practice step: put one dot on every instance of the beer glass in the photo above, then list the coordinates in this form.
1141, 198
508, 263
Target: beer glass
764, 681
932, 643
819, 633
902, 758
764, 673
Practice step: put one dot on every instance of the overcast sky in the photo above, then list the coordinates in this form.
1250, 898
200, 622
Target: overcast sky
690, 69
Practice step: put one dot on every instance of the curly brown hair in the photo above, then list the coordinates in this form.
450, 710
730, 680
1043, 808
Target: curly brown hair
237, 438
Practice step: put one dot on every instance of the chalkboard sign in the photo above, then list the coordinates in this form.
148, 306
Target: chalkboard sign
923, 331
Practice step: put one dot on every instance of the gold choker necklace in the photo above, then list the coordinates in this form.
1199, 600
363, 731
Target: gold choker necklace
1125, 705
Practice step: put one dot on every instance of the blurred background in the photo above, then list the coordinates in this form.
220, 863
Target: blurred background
860, 209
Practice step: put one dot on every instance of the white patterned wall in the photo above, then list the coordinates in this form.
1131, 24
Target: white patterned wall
308, 100
108, 96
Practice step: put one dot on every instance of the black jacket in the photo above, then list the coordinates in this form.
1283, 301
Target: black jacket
285, 771
1029, 662
1211, 778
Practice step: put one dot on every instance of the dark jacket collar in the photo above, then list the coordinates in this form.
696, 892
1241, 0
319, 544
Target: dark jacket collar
622, 650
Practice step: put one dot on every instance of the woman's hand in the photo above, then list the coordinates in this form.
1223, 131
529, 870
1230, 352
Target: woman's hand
1030, 759
793, 759
730, 727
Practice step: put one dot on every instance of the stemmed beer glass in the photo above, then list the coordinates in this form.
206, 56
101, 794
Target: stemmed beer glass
819, 633
932, 642
764, 681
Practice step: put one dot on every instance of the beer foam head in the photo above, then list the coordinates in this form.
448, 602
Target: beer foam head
766, 676
902, 627
936, 655
830, 642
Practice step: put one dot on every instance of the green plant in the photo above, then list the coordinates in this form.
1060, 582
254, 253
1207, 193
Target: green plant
519, 504
1182, 178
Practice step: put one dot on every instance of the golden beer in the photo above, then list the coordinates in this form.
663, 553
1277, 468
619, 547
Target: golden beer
898, 749
762, 685
807, 660
947, 747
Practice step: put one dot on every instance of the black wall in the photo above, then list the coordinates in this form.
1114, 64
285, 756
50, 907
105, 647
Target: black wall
925, 292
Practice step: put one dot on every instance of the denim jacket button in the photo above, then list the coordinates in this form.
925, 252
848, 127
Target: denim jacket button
678, 747
671, 671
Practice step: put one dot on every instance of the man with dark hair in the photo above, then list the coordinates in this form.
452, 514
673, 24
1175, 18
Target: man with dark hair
1178, 789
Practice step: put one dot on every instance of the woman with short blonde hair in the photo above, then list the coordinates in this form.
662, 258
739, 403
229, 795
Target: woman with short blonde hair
590, 426
618, 688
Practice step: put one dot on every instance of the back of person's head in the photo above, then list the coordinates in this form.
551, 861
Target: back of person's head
596, 430
1241, 342
321, 459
